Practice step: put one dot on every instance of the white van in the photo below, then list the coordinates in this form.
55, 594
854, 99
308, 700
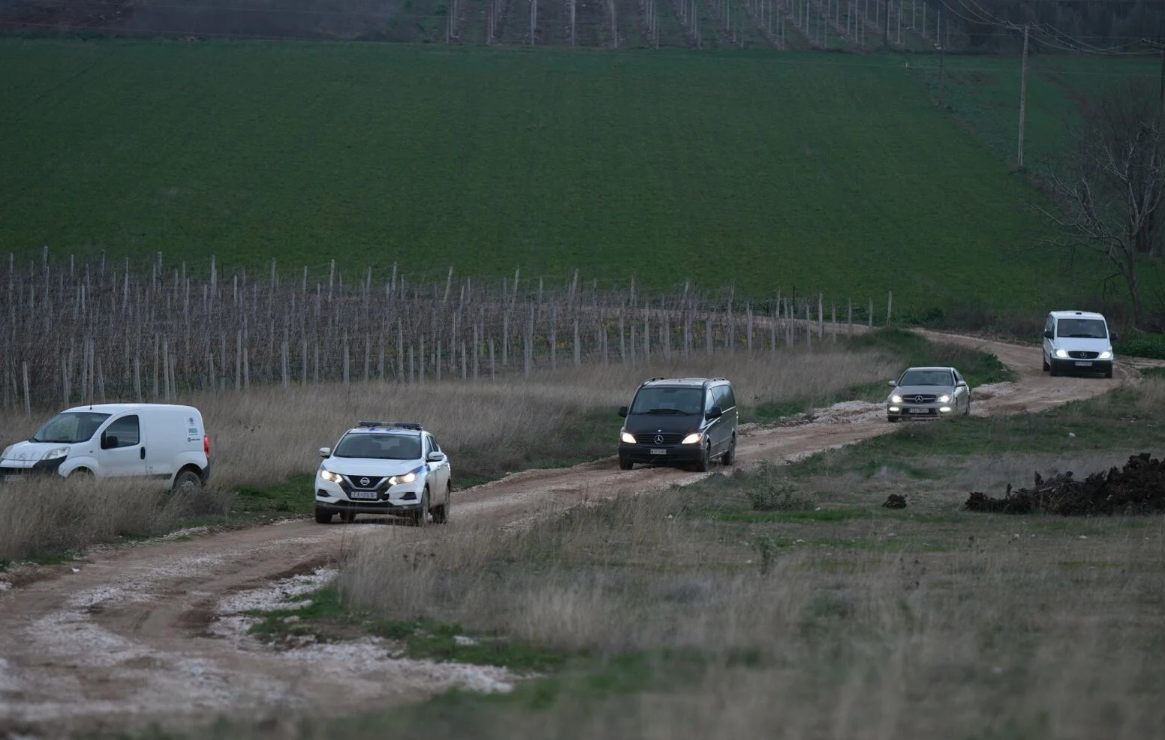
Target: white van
1077, 341
164, 442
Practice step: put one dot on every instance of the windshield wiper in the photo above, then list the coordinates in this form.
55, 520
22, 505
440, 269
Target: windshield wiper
1084, 336
664, 411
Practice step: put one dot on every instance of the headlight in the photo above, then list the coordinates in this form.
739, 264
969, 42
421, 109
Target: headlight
691, 439
628, 438
944, 398
895, 399
408, 477
1106, 355
1061, 353
56, 453
329, 475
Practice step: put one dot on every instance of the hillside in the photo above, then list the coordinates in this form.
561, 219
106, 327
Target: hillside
767, 171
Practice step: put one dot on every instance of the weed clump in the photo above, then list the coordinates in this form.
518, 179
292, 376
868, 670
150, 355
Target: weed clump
780, 496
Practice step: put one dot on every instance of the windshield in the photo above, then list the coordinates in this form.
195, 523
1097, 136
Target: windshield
380, 446
927, 377
70, 428
688, 401
1081, 328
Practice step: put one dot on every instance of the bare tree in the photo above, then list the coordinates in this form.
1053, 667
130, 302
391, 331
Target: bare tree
1108, 187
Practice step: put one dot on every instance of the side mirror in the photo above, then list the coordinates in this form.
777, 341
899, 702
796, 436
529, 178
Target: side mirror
108, 441
893, 383
435, 456
623, 411
1112, 337
715, 413
1048, 335
325, 452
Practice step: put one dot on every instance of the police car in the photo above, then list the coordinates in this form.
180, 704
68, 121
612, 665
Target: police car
384, 468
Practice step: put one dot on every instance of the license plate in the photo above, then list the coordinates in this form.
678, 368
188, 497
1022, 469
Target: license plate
365, 495
920, 411
1083, 364
658, 451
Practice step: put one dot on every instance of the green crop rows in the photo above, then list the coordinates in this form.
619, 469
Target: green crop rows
761, 170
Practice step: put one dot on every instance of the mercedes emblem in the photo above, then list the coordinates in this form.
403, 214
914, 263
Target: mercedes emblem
364, 482
659, 439
918, 399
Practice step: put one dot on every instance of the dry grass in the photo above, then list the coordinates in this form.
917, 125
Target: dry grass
264, 435
1050, 633
48, 517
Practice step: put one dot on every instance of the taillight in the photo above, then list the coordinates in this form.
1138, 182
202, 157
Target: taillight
206, 444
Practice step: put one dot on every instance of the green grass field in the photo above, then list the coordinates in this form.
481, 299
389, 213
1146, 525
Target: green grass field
767, 171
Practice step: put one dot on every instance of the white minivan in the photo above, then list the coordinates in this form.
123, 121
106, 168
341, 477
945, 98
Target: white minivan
164, 442
1077, 341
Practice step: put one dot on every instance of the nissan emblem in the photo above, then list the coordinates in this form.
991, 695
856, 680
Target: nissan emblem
364, 482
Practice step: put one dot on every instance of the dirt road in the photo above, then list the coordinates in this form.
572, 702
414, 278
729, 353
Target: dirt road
151, 633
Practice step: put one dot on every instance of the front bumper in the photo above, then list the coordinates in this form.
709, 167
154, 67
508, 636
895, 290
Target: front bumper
661, 454
13, 470
1082, 366
399, 499
919, 410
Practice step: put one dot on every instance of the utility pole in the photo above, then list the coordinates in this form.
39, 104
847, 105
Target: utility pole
1022, 95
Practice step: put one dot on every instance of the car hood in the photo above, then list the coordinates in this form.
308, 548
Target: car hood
927, 390
1073, 344
662, 423
31, 451
360, 466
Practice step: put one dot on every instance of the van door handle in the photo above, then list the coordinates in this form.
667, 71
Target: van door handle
143, 455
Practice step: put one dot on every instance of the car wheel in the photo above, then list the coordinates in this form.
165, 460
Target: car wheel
187, 482
1055, 371
729, 457
441, 513
625, 463
705, 459
79, 478
1047, 367
967, 410
421, 517
324, 517
1108, 372
348, 516
892, 419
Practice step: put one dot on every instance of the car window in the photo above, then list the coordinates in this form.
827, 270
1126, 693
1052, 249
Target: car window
127, 430
1082, 328
925, 377
380, 446
667, 401
70, 427
729, 398
709, 401
433, 441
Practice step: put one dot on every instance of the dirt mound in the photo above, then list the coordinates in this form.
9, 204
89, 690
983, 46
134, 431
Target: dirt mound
1137, 488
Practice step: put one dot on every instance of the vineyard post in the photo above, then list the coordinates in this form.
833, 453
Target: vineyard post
421, 361
833, 320
748, 330
820, 315
622, 340
412, 376
27, 395
400, 356
347, 361
808, 327
889, 307
492, 367
632, 345
137, 377
870, 316
708, 334
577, 346
476, 348
165, 368
849, 317
463, 361
553, 330
247, 369
437, 361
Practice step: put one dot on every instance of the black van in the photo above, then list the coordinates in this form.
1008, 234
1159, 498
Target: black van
679, 421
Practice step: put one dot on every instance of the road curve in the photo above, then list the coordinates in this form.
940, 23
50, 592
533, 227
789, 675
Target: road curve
130, 638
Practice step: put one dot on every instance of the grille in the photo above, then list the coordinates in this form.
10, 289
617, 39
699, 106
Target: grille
919, 398
1079, 354
358, 483
663, 438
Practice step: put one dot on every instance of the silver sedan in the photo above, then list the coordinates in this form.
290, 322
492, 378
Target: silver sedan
928, 393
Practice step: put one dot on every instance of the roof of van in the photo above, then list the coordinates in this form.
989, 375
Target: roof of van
692, 382
114, 408
1077, 315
